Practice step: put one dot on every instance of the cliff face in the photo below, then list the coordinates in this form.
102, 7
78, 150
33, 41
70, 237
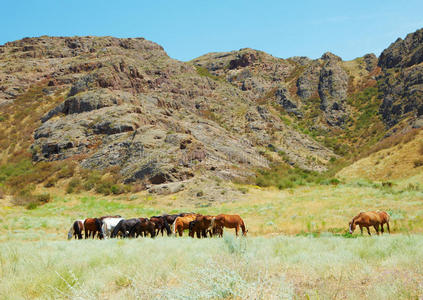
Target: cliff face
401, 81
124, 103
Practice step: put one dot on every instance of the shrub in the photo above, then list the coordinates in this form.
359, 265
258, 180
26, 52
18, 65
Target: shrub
72, 185
418, 163
51, 182
67, 170
117, 189
43, 198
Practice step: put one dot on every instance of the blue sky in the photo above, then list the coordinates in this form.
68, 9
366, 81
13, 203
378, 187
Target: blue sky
188, 29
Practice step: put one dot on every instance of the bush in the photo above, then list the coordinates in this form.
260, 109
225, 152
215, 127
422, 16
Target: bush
418, 163
72, 185
43, 198
67, 170
283, 176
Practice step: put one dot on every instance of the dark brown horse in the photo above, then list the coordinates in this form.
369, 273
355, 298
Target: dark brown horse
229, 221
161, 224
143, 227
368, 219
124, 227
201, 226
93, 226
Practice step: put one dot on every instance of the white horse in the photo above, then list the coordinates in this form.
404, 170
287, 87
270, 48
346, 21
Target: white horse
108, 225
76, 229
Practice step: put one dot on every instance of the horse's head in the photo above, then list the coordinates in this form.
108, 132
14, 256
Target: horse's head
352, 226
191, 228
69, 235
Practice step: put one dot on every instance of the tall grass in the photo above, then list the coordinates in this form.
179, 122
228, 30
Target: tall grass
228, 268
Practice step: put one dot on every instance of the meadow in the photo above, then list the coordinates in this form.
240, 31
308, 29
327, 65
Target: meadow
297, 247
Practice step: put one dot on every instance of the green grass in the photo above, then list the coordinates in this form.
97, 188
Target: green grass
184, 268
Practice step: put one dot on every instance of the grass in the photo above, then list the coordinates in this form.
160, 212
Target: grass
253, 268
297, 247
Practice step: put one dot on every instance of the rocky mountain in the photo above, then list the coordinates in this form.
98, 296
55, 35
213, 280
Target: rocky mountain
401, 81
124, 104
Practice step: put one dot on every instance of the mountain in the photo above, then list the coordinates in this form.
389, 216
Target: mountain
123, 106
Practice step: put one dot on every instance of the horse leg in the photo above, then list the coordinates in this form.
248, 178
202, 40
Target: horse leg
236, 230
361, 229
86, 233
376, 228
381, 228
387, 225
368, 230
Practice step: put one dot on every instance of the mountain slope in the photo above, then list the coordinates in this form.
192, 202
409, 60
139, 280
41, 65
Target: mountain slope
123, 103
124, 107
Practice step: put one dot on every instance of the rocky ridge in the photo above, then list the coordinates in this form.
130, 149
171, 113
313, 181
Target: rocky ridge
124, 103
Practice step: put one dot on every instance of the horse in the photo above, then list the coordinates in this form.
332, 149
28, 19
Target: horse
182, 223
201, 226
109, 223
92, 226
161, 224
76, 230
370, 218
170, 219
229, 221
124, 226
142, 227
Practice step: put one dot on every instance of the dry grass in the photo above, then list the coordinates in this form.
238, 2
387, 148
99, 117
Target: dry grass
228, 268
394, 158
322, 262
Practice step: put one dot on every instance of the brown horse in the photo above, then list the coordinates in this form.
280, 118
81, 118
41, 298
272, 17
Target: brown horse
201, 226
182, 223
370, 218
229, 221
92, 226
76, 230
143, 227
161, 224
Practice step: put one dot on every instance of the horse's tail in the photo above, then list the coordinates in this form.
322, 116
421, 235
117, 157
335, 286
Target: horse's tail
76, 228
116, 229
244, 232
99, 226
166, 225
71, 231
174, 226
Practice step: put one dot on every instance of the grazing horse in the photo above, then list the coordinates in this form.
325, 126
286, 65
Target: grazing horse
170, 219
92, 226
201, 226
109, 224
370, 218
229, 221
161, 224
124, 227
142, 227
182, 223
76, 230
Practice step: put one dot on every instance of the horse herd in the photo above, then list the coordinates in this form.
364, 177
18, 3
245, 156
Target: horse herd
197, 224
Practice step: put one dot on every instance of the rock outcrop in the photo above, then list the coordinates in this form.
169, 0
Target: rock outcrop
401, 81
